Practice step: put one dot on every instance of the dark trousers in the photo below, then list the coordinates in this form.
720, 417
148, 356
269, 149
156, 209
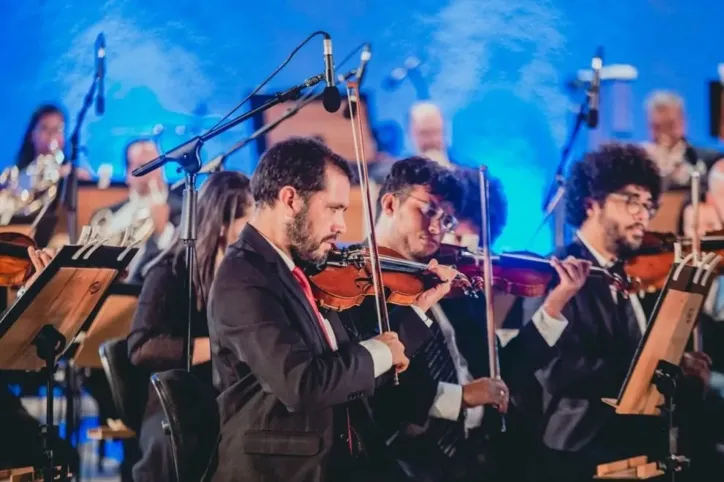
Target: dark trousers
20, 443
156, 463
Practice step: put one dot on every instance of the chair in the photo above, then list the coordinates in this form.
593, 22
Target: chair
129, 389
192, 421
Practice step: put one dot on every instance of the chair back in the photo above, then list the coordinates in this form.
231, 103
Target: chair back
192, 421
129, 388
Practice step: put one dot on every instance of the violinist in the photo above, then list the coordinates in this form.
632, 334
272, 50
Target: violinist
611, 196
293, 386
447, 386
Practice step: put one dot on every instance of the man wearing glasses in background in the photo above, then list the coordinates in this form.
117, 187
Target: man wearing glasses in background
611, 197
433, 420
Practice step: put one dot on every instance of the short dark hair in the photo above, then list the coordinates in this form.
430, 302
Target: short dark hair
472, 210
129, 146
605, 171
420, 171
298, 162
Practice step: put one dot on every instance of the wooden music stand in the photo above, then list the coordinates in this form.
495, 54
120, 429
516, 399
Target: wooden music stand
111, 319
40, 325
651, 383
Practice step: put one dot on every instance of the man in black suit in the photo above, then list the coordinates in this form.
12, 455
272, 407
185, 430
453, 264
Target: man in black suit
611, 196
448, 386
292, 385
150, 199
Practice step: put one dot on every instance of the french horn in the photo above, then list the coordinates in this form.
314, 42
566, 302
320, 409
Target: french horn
141, 226
29, 192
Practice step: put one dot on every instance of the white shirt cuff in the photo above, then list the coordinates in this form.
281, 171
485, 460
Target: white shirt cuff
381, 355
422, 315
549, 328
448, 401
164, 239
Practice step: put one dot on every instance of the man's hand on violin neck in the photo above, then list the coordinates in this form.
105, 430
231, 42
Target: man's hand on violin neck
446, 274
486, 391
392, 341
572, 274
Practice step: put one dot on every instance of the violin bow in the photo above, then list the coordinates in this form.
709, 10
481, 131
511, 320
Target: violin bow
355, 113
493, 360
696, 244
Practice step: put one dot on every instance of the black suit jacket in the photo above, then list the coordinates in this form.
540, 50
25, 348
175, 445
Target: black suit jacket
410, 403
278, 380
586, 365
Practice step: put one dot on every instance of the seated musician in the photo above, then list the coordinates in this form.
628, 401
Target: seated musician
447, 387
611, 196
156, 342
673, 153
150, 207
294, 387
21, 444
45, 135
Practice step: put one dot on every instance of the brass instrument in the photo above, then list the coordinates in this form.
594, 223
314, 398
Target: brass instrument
141, 226
30, 192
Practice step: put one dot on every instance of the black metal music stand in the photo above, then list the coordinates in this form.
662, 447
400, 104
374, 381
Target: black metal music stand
40, 325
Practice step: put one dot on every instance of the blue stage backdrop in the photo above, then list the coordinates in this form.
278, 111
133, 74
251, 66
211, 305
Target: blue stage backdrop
499, 69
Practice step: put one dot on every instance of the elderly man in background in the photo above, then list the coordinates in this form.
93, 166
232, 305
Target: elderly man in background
669, 147
427, 133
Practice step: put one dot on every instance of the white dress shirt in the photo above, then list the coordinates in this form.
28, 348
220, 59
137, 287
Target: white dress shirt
449, 398
633, 299
381, 354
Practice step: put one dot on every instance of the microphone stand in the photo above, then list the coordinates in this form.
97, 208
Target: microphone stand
217, 163
70, 184
188, 157
557, 189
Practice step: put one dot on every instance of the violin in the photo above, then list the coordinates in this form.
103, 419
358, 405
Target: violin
347, 278
653, 260
521, 274
15, 264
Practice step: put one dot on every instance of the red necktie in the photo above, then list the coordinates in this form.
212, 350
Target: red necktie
307, 289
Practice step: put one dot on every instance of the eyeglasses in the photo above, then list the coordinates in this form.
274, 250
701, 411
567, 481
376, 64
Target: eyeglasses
635, 206
448, 222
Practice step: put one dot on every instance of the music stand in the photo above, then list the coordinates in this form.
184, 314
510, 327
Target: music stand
40, 325
651, 383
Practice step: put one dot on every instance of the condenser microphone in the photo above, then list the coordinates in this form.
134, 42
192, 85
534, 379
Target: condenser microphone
594, 95
331, 99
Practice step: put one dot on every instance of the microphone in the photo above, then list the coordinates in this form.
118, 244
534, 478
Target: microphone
100, 73
364, 58
331, 97
594, 94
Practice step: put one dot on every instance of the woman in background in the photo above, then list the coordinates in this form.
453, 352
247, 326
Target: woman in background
159, 324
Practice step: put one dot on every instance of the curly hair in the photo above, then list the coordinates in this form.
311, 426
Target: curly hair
419, 171
605, 171
497, 202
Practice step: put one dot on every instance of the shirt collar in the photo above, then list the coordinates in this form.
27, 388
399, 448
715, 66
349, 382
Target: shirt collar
600, 259
285, 257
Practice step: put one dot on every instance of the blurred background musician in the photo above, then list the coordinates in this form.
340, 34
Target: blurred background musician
428, 135
151, 208
160, 322
675, 156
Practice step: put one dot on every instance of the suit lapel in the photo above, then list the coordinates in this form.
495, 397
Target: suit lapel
596, 287
256, 241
